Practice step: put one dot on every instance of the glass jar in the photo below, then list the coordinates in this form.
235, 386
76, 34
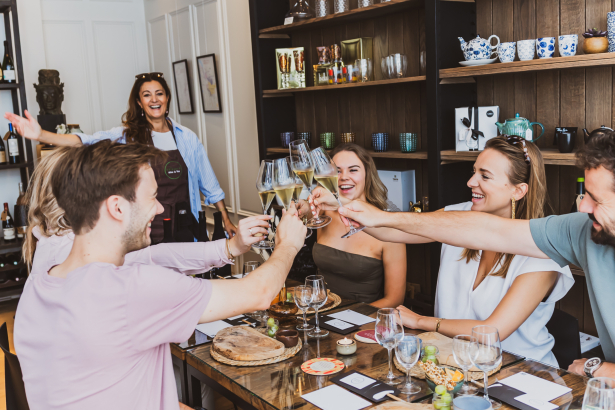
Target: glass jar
327, 140
341, 6
380, 141
407, 142
321, 7
365, 3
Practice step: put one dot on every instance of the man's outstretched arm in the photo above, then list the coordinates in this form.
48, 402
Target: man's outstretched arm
473, 230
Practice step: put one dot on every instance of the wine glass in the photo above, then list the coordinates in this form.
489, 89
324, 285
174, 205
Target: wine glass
283, 181
297, 193
325, 172
408, 352
301, 162
250, 266
264, 185
319, 298
303, 296
599, 394
389, 331
486, 354
463, 358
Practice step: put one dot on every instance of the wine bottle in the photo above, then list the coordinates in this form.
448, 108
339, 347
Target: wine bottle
8, 69
8, 227
202, 234
168, 230
12, 259
3, 156
21, 213
578, 197
13, 146
20, 275
2, 261
220, 233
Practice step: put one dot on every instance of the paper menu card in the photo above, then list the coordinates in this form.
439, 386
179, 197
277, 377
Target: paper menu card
535, 386
340, 324
352, 317
536, 403
335, 398
211, 328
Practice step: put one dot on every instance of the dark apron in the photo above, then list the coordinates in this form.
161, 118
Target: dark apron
174, 195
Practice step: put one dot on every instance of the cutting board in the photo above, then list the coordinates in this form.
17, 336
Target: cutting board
445, 346
245, 344
398, 405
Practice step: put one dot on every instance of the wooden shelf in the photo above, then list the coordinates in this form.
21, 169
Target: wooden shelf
14, 166
6, 247
332, 19
387, 154
555, 63
7, 86
550, 156
286, 92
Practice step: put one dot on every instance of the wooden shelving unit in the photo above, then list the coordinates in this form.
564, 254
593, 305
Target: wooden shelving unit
555, 63
550, 156
271, 93
387, 154
10, 246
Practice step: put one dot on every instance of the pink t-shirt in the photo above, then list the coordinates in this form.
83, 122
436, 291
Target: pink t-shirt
99, 338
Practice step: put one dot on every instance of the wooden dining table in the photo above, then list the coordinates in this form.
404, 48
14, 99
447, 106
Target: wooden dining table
281, 385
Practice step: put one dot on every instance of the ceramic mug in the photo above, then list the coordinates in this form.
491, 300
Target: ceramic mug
506, 51
545, 47
568, 45
525, 49
610, 26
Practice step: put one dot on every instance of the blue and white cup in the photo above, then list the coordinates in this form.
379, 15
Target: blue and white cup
568, 45
545, 47
610, 26
525, 49
506, 51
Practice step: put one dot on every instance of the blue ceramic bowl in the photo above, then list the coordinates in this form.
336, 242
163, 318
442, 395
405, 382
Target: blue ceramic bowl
432, 385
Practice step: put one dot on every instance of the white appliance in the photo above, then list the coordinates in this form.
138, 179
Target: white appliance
401, 186
481, 119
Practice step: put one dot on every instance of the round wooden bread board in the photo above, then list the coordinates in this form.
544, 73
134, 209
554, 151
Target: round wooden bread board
333, 302
288, 352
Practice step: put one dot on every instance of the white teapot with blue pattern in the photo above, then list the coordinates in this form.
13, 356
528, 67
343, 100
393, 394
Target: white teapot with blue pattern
479, 48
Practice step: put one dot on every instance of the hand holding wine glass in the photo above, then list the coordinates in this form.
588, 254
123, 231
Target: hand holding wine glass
264, 186
322, 200
360, 213
290, 230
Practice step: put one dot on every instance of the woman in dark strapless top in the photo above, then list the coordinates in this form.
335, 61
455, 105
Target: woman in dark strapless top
360, 267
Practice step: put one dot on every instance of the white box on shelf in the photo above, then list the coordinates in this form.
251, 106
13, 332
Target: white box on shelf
481, 118
401, 187
588, 342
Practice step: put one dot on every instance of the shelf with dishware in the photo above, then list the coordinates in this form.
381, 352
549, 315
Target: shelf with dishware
374, 154
550, 156
375, 10
554, 63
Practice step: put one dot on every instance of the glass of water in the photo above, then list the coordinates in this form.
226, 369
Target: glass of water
249, 267
388, 332
408, 352
463, 358
486, 354
599, 394
319, 298
303, 297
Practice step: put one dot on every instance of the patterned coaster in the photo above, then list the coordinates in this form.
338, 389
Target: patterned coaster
322, 366
366, 336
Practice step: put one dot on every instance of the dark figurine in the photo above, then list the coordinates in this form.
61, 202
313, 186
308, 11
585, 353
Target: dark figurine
49, 92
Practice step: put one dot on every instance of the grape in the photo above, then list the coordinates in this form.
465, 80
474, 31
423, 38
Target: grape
446, 398
274, 328
430, 350
270, 333
289, 296
432, 358
271, 321
445, 408
438, 405
440, 390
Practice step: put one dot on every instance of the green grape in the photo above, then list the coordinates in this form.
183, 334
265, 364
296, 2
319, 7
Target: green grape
270, 333
440, 390
430, 350
445, 408
289, 297
432, 358
438, 405
446, 398
274, 328
271, 321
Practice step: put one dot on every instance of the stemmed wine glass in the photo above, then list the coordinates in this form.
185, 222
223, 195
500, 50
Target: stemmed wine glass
283, 181
325, 172
486, 354
389, 331
319, 298
297, 193
301, 162
599, 394
303, 296
463, 357
264, 185
408, 352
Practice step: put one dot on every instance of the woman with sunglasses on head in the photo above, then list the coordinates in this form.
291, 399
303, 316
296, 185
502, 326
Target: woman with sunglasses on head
515, 294
187, 169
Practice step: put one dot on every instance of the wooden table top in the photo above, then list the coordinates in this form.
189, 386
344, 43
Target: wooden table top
280, 385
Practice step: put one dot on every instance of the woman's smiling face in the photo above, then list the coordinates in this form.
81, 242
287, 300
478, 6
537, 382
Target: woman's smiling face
351, 175
153, 100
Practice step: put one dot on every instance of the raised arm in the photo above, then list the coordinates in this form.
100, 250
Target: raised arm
473, 230
29, 128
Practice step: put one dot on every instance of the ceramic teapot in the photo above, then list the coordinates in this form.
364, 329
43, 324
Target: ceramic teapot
519, 126
479, 48
598, 131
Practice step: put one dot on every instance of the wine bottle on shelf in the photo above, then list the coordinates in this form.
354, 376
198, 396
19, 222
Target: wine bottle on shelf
168, 230
220, 233
8, 227
13, 146
8, 68
202, 233
12, 259
3, 156
20, 275
578, 197
21, 213
2, 261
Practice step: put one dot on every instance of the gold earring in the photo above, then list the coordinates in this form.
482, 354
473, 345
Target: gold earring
513, 208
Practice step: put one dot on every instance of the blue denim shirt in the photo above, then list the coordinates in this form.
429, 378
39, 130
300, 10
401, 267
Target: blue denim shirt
201, 175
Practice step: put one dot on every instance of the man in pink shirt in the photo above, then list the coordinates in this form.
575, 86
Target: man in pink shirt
93, 334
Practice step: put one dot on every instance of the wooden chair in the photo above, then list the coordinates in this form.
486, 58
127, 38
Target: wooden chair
565, 329
13, 380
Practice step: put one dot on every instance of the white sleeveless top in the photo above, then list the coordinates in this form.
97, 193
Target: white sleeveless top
456, 300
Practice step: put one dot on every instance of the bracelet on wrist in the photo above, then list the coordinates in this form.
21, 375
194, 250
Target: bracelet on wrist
228, 250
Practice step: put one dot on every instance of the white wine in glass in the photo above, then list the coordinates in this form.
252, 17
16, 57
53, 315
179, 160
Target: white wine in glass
264, 185
283, 181
297, 193
325, 172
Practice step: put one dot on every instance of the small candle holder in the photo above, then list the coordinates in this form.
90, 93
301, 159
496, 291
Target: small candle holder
347, 137
306, 136
321, 8
365, 3
327, 140
407, 141
380, 141
346, 346
286, 138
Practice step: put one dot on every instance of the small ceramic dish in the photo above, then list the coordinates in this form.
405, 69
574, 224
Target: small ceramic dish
288, 337
458, 385
477, 62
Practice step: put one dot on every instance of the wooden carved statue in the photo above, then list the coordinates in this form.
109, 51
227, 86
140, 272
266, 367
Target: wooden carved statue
49, 92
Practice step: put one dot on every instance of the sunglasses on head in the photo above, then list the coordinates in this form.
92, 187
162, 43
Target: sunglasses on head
149, 75
516, 140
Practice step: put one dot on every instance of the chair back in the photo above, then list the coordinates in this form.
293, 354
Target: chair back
13, 380
565, 329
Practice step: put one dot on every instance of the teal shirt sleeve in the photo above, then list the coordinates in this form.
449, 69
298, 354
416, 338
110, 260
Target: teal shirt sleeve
563, 238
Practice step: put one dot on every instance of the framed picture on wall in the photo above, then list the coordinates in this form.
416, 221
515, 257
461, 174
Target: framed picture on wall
182, 87
208, 78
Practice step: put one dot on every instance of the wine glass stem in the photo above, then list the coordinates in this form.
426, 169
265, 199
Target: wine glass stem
317, 330
466, 385
391, 375
304, 318
408, 378
486, 385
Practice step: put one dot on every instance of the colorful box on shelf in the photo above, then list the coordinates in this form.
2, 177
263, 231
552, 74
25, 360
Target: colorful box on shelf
290, 66
356, 49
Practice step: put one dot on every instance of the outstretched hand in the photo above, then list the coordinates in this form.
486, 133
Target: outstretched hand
359, 213
322, 200
290, 230
26, 127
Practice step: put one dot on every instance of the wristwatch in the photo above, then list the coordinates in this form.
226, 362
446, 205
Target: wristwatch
591, 365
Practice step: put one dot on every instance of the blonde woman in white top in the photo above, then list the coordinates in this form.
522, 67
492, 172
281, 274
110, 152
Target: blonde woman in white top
516, 294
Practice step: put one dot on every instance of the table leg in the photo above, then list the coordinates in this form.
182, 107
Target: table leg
183, 383
195, 378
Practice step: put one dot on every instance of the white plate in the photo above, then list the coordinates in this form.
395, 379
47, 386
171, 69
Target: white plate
477, 62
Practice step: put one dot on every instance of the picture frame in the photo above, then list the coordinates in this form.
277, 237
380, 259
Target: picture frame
208, 80
182, 87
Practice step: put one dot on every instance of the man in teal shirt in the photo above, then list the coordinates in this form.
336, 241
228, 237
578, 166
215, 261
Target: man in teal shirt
586, 239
